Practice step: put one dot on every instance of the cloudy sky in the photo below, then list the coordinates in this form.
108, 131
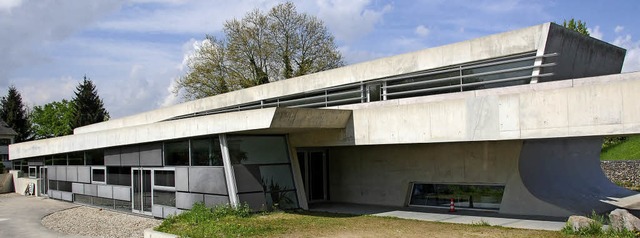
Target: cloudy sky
134, 50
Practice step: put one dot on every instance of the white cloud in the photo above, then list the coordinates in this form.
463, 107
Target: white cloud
618, 29
349, 20
422, 30
7, 5
632, 60
595, 32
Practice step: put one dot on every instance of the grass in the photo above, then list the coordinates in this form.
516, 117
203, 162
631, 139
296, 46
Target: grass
205, 222
625, 150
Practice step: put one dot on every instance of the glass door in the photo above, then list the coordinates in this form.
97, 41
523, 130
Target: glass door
44, 182
313, 168
141, 186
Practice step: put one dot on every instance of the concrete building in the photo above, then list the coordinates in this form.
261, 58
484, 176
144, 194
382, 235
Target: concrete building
511, 122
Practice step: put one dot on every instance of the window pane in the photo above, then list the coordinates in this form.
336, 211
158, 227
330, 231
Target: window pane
48, 160
64, 186
258, 149
84, 199
164, 178
76, 158
276, 177
95, 157
123, 205
60, 159
119, 176
165, 198
282, 199
491, 77
176, 153
5, 141
467, 196
103, 202
98, 175
206, 152
53, 184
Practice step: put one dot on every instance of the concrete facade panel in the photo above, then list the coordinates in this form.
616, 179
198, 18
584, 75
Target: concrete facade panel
207, 180
112, 157
52, 171
55, 194
84, 174
122, 193
166, 211
77, 188
61, 173
105, 191
246, 180
151, 154
156, 211
214, 200
186, 200
72, 173
130, 156
182, 179
67, 196
91, 189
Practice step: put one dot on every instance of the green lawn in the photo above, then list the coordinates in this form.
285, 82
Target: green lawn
627, 150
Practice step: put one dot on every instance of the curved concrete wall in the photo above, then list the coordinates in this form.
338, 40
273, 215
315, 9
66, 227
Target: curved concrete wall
567, 173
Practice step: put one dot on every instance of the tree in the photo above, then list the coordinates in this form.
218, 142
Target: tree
87, 105
257, 49
14, 113
579, 26
53, 119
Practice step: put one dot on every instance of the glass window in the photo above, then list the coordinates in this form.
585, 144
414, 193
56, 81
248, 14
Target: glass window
467, 196
206, 152
33, 172
53, 184
119, 176
258, 149
103, 202
123, 205
76, 158
98, 175
176, 153
48, 160
491, 77
165, 198
445, 82
5, 141
94, 157
84, 199
165, 178
64, 186
60, 159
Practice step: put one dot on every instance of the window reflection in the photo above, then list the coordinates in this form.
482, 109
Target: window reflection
467, 196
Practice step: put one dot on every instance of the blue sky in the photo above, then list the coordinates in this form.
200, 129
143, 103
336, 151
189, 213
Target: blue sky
134, 50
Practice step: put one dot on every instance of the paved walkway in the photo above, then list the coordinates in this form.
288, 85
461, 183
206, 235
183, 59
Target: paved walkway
21, 216
442, 215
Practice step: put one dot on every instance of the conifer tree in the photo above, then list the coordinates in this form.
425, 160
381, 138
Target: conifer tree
88, 108
14, 113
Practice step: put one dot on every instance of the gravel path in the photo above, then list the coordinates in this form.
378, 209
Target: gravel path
96, 222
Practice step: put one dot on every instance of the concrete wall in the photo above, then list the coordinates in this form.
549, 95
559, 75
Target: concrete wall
381, 175
6, 183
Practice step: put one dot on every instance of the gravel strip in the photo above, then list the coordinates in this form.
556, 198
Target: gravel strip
96, 222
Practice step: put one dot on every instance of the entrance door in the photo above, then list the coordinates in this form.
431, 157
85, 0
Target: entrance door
44, 182
141, 186
313, 167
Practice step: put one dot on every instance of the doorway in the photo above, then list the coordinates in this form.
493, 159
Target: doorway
313, 167
141, 194
44, 182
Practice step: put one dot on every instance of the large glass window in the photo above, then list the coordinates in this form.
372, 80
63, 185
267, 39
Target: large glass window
258, 149
53, 184
165, 198
94, 157
466, 196
486, 79
206, 152
76, 158
98, 175
165, 178
176, 153
119, 176
48, 160
60, 159
64, 186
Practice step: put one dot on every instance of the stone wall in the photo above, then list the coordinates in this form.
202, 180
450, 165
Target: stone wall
626, 172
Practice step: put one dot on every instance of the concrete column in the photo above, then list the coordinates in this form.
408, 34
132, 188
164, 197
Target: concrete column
228, 172
297, 177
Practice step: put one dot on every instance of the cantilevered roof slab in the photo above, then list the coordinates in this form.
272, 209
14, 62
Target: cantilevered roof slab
265, 120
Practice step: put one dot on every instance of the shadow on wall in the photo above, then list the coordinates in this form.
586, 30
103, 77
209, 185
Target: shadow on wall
566, 172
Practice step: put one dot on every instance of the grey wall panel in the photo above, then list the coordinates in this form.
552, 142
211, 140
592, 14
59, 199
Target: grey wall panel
170, 211
77, 188
207, 180
51, 172
61, 173
186, 200
130, 156
151, 154
247, 178
67, 196
122, 193
182, 179
112, 157
91, 189
72, 173
84, 174
156, 211
105, 191
256, 201
214, 200
55, 194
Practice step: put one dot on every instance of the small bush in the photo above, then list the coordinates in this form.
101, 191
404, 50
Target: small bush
482, 222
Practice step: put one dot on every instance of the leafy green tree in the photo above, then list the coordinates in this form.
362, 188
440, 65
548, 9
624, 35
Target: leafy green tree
257, 49
579, 26
52, 119
88, 108
14, 113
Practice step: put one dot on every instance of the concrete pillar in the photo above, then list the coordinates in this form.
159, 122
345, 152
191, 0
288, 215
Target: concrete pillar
228, 172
